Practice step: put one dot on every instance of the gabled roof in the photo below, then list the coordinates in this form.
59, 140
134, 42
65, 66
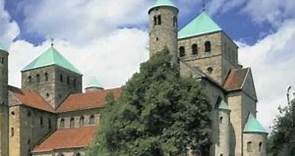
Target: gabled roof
235, 79
51, 57
203, 24
253, 125
30, 99
88, 100
68, 138
164, 3
223, 105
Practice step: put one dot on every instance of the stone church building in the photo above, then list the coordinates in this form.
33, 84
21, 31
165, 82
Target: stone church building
50, 115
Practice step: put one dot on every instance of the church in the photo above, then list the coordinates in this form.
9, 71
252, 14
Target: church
50, 115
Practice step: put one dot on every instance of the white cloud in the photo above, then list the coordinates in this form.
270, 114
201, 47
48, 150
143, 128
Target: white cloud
81, 21
112, 60
8, 29
272, 60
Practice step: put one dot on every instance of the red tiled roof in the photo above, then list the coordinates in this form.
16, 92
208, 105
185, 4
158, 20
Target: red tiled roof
87, 100
67, 138
31, 99
235, 79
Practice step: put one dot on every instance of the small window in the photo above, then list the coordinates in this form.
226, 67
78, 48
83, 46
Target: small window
210, 70
62, 123
68, 80
2, 60
155, 20
30, 79
260, 146
249, 146
49, 123
221, 119
12, 132
46, 76
75, 83
12, 113
207, 46
174, 21
159, 20
38, 77
29, 113
91, 119
72, 123
78, 154
41, 120
81, 122
181, 51
194, 49
29, 141
61, 78
47, 95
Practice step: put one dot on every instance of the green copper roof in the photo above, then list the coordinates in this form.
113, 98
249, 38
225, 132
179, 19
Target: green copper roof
201, 25
163, 3
223, 105
93, 83
51, 57
253, 125
2, 47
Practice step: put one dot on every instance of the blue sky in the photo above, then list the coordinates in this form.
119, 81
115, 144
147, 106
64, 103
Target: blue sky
107, 40
248, 32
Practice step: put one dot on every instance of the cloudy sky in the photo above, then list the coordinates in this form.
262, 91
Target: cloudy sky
107, 40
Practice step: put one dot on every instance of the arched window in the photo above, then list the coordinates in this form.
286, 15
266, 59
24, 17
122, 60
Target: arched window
46, 76
155, 20
72, 123
260, 146
181, 51
81, 122
61, 78
249, 146
49, 123
194, 49
62, 123
75, 83
159, 20
30, 79
210, 70
174, 21
41, 120
207, 46
2, 60
38, 77
68, 80
220, 119
12, 132
91, 119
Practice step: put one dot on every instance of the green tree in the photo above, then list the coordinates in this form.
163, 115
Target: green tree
159, 113
283, 134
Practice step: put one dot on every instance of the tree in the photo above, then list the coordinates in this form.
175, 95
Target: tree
159, 113
282, 138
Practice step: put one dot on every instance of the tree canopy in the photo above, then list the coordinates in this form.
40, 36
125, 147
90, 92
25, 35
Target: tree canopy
283, 134
159, 113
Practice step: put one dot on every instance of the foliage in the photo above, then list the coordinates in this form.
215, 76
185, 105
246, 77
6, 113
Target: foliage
283, 131
158, 114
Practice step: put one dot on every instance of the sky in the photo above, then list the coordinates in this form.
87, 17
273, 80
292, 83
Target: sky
107, 40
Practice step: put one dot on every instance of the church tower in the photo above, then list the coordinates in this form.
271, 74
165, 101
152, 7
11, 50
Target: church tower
163, 28
52, 76
4, 103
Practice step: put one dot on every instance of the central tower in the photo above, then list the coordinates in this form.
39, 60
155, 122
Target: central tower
163, 28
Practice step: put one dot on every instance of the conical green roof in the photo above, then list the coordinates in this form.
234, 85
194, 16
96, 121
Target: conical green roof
93, 83
163, 3
223, 105
203, 24
51, 57
253, 125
